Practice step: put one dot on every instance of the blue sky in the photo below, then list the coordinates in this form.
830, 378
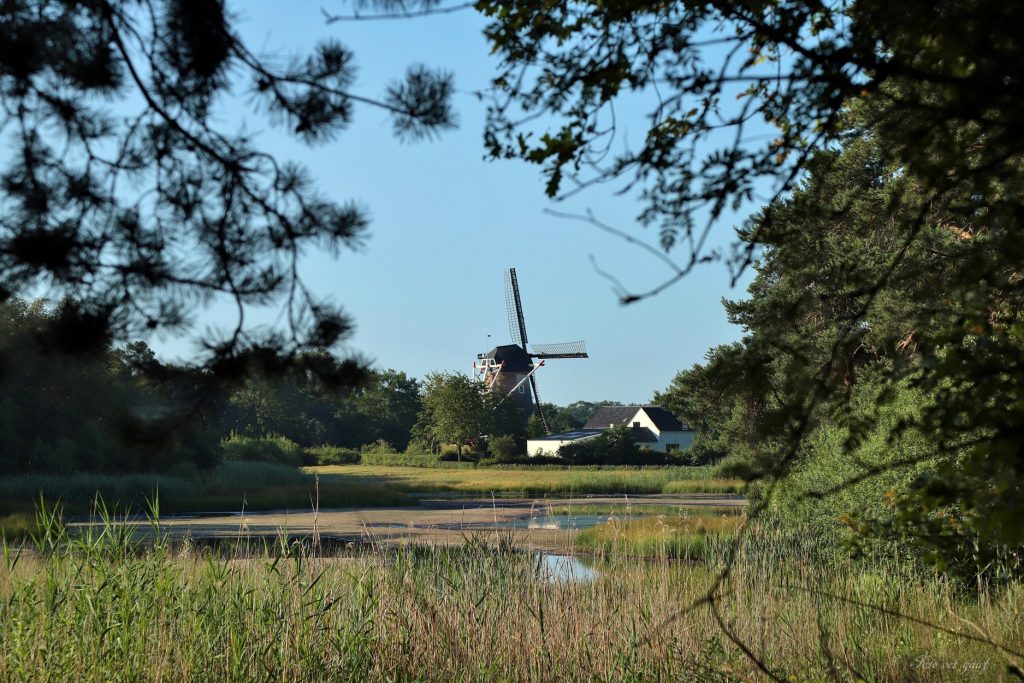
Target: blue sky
427, 289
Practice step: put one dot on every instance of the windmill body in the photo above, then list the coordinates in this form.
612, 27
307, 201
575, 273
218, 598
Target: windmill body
506, 370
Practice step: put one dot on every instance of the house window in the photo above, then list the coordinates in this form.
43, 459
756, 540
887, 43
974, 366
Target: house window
636, 425
669, 447
522, 389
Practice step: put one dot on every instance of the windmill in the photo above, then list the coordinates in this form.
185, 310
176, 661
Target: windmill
505, 369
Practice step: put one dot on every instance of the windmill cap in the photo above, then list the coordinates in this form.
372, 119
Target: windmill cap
513, 355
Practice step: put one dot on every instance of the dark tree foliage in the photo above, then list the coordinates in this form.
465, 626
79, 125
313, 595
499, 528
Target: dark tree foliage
898, 263
718, 400
123, 197
122, 410
60, 414
827, 348
297, 405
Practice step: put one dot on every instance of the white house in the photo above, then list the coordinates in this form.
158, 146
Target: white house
653, 427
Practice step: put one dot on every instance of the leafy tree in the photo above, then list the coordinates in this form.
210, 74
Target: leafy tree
830, 360
125, 197
565, 418
711, 399
390, 403
890, 247
298, 405
455, 410
932, 77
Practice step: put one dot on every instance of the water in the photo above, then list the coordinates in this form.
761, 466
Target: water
556, 522
565, 568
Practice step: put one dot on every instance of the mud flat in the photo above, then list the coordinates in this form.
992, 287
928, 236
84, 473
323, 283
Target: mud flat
547, 523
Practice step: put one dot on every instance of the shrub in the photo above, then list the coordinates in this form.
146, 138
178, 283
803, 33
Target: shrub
503, 447
254, 473
379, 446
273, 448
453, 456
332, 455
615, 446
183, 470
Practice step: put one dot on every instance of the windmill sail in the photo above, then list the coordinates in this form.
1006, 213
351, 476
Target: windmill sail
576, 349
514, 308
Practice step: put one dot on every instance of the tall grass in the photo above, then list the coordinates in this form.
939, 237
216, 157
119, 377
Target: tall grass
104, 608
681, 536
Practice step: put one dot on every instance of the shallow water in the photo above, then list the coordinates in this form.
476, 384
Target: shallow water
556, 522
565, 568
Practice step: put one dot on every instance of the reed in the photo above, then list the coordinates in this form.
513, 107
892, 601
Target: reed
662, 536
103, 606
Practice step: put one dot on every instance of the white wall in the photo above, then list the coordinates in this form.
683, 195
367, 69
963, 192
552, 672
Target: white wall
549, 446
680, 439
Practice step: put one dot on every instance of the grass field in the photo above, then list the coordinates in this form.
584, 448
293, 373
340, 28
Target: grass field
105, 609
533, 481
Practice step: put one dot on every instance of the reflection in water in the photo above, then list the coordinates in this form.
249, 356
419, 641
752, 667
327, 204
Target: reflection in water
565, 568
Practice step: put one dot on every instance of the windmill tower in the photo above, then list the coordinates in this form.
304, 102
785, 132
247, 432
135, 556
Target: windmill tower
506, 369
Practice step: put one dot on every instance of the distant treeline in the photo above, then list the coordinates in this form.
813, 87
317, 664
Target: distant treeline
122, 410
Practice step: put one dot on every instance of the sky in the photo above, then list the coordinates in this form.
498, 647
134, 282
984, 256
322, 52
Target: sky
427, 290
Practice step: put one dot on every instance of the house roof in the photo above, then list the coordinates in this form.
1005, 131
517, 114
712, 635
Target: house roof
620, 415
610, 415
664, 420
568, 436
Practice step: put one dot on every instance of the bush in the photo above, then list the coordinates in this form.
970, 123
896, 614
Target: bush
253, 473
276, 449
613, 447
452, 456
503, 447
332, 455
379, 446
183, 470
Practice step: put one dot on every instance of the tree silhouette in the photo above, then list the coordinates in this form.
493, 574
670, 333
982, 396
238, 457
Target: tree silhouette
123, 198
